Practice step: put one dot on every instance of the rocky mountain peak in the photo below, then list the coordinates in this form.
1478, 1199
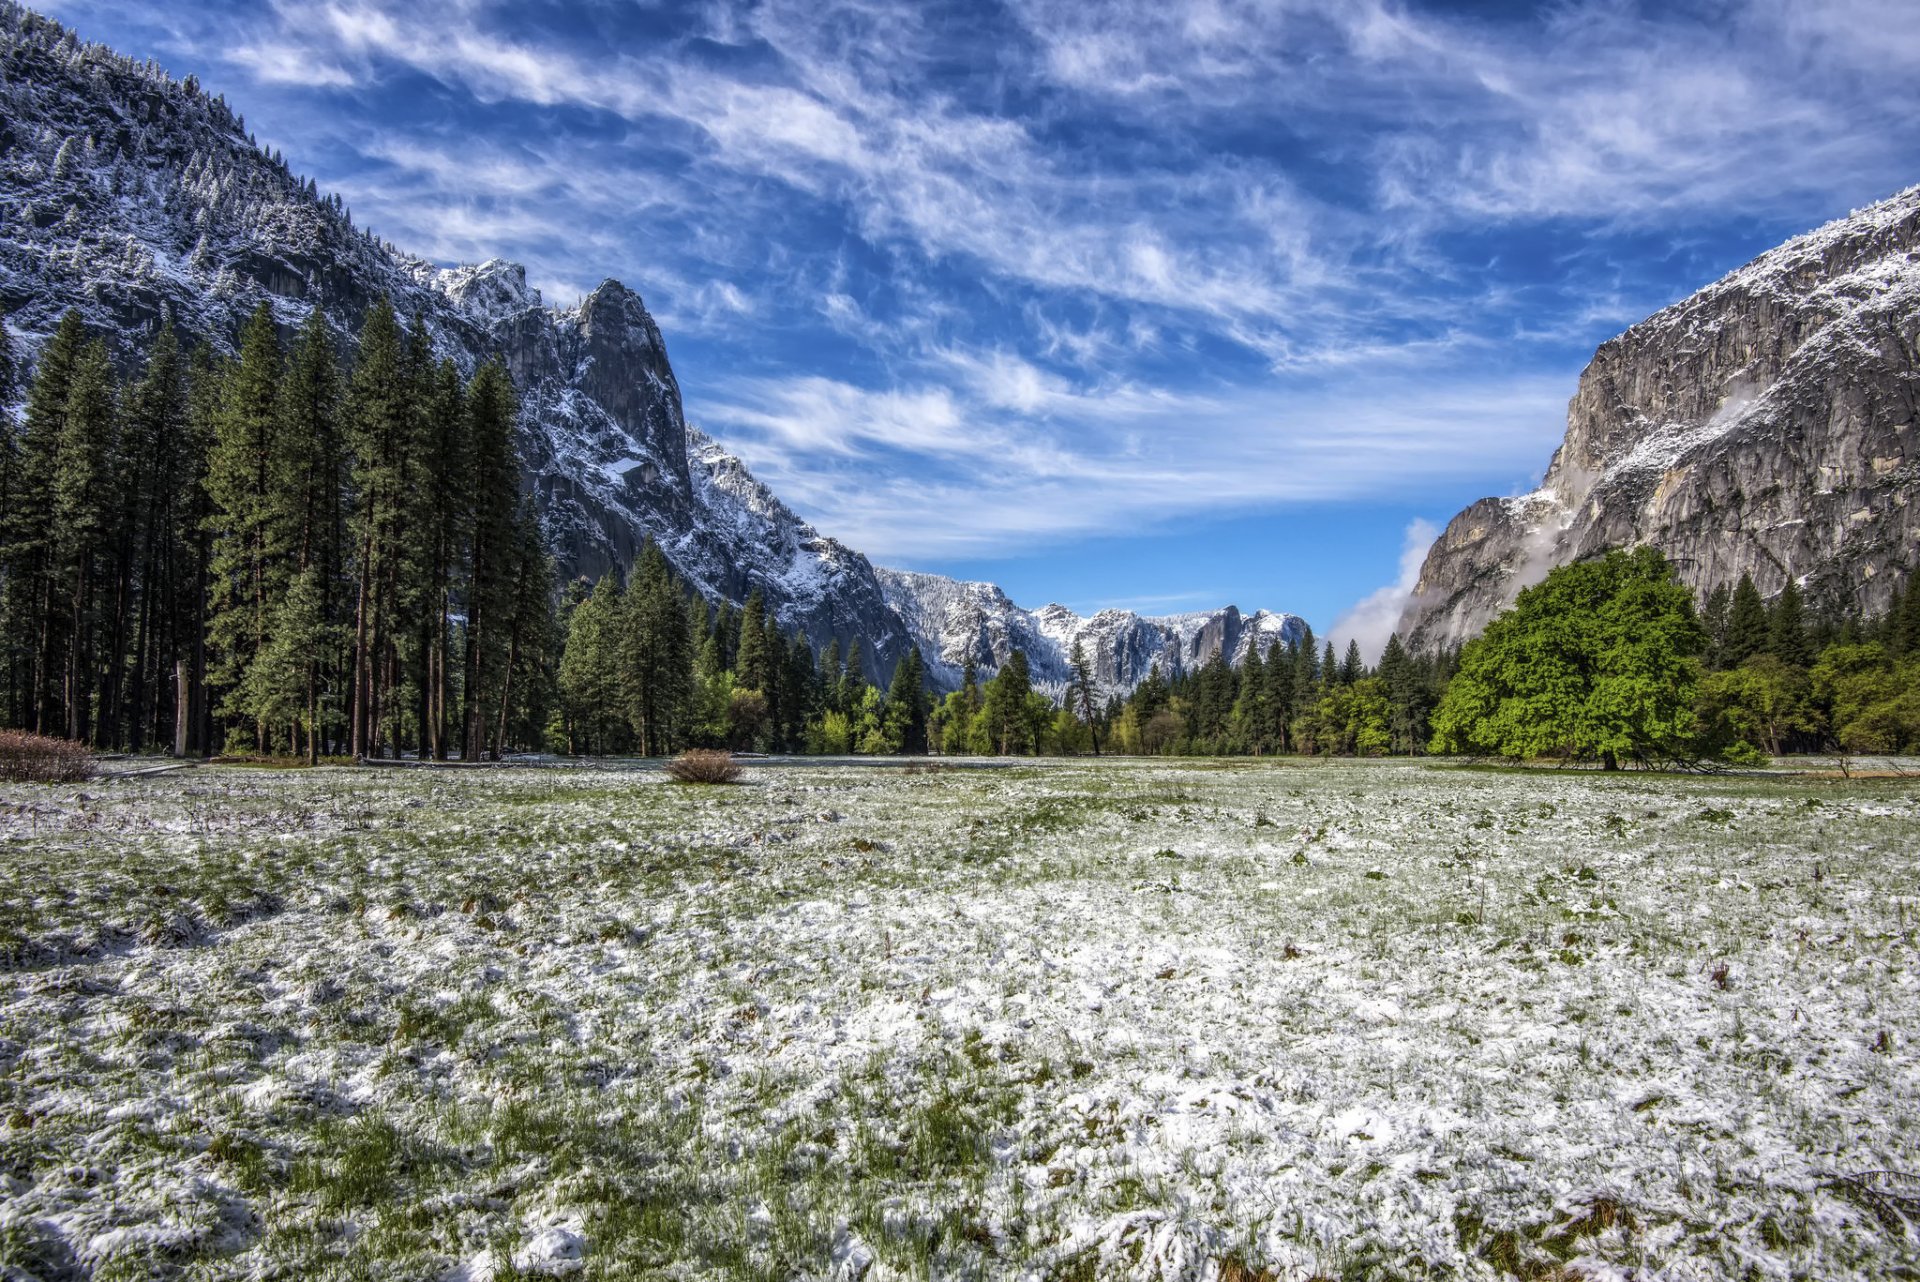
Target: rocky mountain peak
954, 621
490, 292
1762, 426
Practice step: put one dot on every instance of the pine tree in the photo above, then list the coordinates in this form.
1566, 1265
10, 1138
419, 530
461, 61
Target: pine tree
1713, 618
195, 525
1281, 666
28, 611
1407, 697
85, 507
492, 481
163, 465
532, 644
753, 668
853, 679
590, 684
1747, 630
1306, 672
657, 656
1083, 696
801, 687
311, 462
1006, 706
1352, 668
381, 425
906, 705
1787, 638
1250, 712
250, 564
9, 469
1906, 627
831, 671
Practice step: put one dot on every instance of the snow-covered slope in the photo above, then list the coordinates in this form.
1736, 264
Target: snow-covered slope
952, 621
143, 201
1765, 426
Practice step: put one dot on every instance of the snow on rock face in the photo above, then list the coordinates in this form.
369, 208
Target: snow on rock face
493, 291
952, 621
1762, 426
140, 202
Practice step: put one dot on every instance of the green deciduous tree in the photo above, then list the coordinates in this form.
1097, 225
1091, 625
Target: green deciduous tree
1762, 704
1597, 662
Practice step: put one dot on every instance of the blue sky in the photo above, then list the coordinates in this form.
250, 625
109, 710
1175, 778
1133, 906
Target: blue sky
1131, 303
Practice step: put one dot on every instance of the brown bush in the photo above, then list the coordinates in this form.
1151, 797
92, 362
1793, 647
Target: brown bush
704, 765
37, 758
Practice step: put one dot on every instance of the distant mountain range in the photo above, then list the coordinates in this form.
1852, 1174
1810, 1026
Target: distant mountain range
141, 201
952, 622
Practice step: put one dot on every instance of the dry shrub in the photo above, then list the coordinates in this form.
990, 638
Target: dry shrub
1235, 1269
35, 758
704, 765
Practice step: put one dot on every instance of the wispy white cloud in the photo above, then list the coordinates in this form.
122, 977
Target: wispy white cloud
987, 275
997, 459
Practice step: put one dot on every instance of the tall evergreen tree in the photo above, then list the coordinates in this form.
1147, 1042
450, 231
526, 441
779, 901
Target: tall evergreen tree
250, 563
311, 459
589, 677
1787, 638
164, 466
1083, 695
1747, 627
85, 508
381, 430
532, 644
1281, 669
906, 704
492, 480
1352, 668
28, 611
753, 667
657, 660
1713, 620
1906, 620
1251, 715
1006, 706
9, 453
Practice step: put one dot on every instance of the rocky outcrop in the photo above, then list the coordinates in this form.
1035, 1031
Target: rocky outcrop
1765, 426
953, 621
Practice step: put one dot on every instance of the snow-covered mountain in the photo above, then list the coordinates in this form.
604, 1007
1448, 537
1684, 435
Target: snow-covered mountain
952, 621
1764, 426
143, 201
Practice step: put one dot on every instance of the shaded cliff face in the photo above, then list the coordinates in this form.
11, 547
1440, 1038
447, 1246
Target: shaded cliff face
953, 621
141, 201
1763, 426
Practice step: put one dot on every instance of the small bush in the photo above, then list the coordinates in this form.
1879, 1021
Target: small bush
34, 758
704, 765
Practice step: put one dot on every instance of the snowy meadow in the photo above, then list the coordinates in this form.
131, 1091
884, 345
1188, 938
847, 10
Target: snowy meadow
1079, 1020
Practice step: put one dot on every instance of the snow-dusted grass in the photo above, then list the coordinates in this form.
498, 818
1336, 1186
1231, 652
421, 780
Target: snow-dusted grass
1081, 1020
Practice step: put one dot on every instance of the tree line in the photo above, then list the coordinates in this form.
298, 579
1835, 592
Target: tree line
270, 552
283, 552
1609, 660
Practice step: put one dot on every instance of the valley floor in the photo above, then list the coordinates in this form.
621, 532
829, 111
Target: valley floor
1079, 1020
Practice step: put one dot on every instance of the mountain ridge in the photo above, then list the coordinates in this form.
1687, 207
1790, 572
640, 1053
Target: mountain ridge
952, 620
1762, 425
141, 200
